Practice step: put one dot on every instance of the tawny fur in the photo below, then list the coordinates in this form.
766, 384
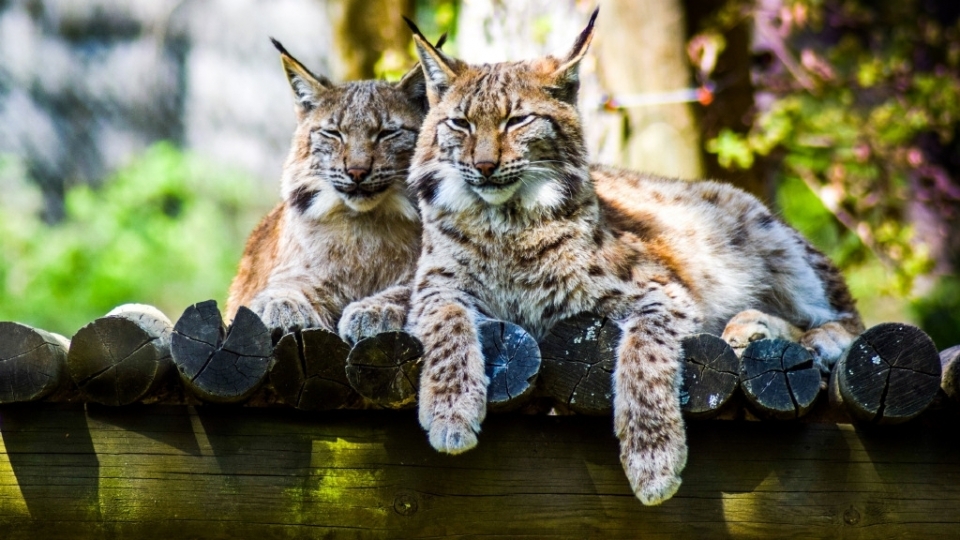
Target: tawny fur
346, 229
518, 226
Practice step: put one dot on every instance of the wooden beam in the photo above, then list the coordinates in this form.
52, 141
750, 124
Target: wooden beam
69, 471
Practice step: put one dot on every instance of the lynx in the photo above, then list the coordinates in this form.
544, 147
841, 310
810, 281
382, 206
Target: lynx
518, 226
346, 228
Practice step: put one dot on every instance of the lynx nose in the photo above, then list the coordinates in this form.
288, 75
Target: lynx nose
358, 174
486, 168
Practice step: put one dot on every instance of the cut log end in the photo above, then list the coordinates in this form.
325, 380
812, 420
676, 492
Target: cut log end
578, 357
891, 374
710, 375
511, 361
217, 364
120, 358
31, 362
385, 369
308, 370
779, 378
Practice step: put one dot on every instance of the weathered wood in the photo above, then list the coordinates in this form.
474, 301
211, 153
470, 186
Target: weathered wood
511, 361
71, 473
218, 364
779, 378
31, 362
308, 370
950, 366
889, 375
122, 357
711, 374
385, 369
578, 357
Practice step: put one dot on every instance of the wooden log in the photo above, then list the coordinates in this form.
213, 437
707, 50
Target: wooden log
578, 357
71, 472
31, 362
889, 375
711, 374
121, 357
218, 364
511, 361
385, 369
308, 370
950, 365
779, 378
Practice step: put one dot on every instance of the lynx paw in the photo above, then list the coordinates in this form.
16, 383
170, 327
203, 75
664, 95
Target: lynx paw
752, 325
362, 319
452, 423
828, 342
654, 473
285, 312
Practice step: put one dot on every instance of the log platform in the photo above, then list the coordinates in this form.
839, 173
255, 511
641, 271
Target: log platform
283, 465
75, 472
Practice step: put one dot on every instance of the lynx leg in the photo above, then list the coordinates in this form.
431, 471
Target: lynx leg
752, 325
646, 406
453, 385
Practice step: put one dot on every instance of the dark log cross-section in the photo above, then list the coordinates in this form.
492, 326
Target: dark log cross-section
31, 362
779, 378
308, 370
890, 374
578, 358
385, 369
218, 364
511, 362
122, 357
710, 375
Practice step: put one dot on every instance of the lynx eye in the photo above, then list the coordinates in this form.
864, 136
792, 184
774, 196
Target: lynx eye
517, 121
331, 134
387, 134
459, 123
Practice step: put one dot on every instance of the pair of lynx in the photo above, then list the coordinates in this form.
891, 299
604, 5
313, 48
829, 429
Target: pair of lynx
517, 225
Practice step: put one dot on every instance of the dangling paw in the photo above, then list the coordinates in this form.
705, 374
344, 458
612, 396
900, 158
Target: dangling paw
753, 325
452, 420
654, 473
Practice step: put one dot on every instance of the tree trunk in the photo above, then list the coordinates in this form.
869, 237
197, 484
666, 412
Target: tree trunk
366, 32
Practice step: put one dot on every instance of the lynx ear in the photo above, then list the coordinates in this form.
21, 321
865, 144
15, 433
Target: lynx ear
439, 69
414, 84
567, 76
306, 86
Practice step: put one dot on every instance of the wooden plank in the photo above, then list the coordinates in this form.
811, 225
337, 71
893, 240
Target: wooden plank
75, 472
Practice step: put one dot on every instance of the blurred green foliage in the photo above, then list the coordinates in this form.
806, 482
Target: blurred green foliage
858, 100
165, 230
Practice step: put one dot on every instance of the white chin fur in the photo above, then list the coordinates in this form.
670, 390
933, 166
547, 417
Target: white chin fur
497, 196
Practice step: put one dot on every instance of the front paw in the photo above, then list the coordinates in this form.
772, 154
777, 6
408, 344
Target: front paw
752, 325
285, 312
452, 421
654, 472
362, 320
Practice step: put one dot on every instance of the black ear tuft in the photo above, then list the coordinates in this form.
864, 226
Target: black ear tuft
279, 46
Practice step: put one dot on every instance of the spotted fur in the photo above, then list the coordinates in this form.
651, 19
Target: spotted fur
518, 226
346, 228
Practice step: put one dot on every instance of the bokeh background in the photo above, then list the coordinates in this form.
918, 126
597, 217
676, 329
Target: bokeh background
141, 141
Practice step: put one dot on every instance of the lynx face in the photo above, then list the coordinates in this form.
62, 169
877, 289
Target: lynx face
500, 135
353, 142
